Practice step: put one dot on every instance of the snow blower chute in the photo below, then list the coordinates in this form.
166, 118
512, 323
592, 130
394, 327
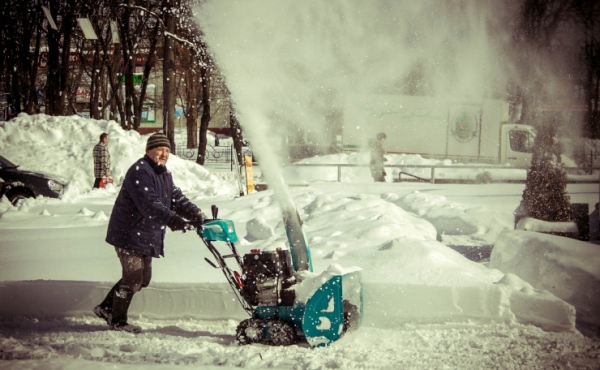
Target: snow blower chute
286, 303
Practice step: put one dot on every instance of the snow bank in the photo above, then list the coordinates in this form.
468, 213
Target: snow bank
451, 218
532, 224
428, 282
63, 146
407, 275
47, 299
568, 268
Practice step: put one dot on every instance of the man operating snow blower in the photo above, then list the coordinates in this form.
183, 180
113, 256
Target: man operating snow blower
148, 201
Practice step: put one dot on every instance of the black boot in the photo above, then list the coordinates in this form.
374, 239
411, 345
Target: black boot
121, 301
104, 309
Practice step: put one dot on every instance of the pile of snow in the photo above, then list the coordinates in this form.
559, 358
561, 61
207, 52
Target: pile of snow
452, 218
532, 224
569, 269
408, 276
63, 146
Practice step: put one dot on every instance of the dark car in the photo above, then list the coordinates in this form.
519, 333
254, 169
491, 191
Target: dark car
17, 184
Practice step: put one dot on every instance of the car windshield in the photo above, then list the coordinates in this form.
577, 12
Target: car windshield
5, 163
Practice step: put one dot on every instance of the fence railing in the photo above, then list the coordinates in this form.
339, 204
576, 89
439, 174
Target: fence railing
213, 154
572, 178
224, 154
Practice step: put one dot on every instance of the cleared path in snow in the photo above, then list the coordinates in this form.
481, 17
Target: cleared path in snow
85, 342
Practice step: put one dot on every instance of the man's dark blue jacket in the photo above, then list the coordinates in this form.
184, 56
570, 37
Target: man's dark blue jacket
147, 201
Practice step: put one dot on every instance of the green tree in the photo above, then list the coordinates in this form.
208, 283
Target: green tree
545, 197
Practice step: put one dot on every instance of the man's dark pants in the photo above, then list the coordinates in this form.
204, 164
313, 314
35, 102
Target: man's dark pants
136, 274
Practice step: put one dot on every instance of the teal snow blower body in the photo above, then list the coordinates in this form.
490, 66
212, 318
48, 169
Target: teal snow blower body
286, 301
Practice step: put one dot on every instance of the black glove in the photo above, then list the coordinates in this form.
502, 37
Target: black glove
177, 223
384, 173
200, 217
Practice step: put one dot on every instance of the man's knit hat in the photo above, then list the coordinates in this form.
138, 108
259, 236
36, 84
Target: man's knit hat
157, 140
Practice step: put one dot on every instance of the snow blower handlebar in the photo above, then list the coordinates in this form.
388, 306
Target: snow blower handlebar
217, 230
197, 224
193, 225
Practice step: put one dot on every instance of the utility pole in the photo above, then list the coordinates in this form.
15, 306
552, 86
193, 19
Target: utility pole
169, 75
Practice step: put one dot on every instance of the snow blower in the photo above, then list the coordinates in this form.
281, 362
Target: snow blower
286, 302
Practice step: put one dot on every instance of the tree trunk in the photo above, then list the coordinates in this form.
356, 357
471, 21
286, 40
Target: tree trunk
33, 103
129, 68
67, 30
192, 127
52, 79
169, 77
205, 119
15, 93
115, 82
145, 77
95, 84
193, 109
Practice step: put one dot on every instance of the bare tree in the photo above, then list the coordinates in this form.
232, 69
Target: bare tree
196, 66
59, 54
537, 28
587, 14
20, 38
139, 29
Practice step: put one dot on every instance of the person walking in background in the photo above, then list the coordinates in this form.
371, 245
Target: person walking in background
377, 157
101, 159
148, 201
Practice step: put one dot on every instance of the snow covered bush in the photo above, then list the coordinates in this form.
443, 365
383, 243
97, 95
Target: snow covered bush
545, 197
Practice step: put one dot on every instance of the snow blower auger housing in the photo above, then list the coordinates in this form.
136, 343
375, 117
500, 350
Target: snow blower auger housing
284, 305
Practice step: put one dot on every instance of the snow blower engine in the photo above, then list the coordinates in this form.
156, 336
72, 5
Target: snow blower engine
285, 305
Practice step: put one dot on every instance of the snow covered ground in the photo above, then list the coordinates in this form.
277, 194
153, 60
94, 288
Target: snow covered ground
426, 306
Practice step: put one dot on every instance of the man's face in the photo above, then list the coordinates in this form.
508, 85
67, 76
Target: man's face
106, 140
159, 155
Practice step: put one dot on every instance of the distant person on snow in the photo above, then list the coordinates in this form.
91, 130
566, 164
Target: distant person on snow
101, 159
147, 202
377, 157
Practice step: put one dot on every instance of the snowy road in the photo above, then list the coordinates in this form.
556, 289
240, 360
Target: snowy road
85, 343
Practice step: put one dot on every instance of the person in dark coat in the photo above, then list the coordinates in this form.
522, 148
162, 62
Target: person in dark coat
377, 157
148, 201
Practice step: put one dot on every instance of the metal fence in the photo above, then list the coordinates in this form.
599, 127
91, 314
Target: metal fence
225, 154
572, 175
213, 154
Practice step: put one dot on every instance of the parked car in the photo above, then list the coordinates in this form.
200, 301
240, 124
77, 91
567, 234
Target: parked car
18, 184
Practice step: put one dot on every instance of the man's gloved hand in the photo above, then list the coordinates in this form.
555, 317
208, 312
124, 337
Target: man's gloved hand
200, 218
177, 223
